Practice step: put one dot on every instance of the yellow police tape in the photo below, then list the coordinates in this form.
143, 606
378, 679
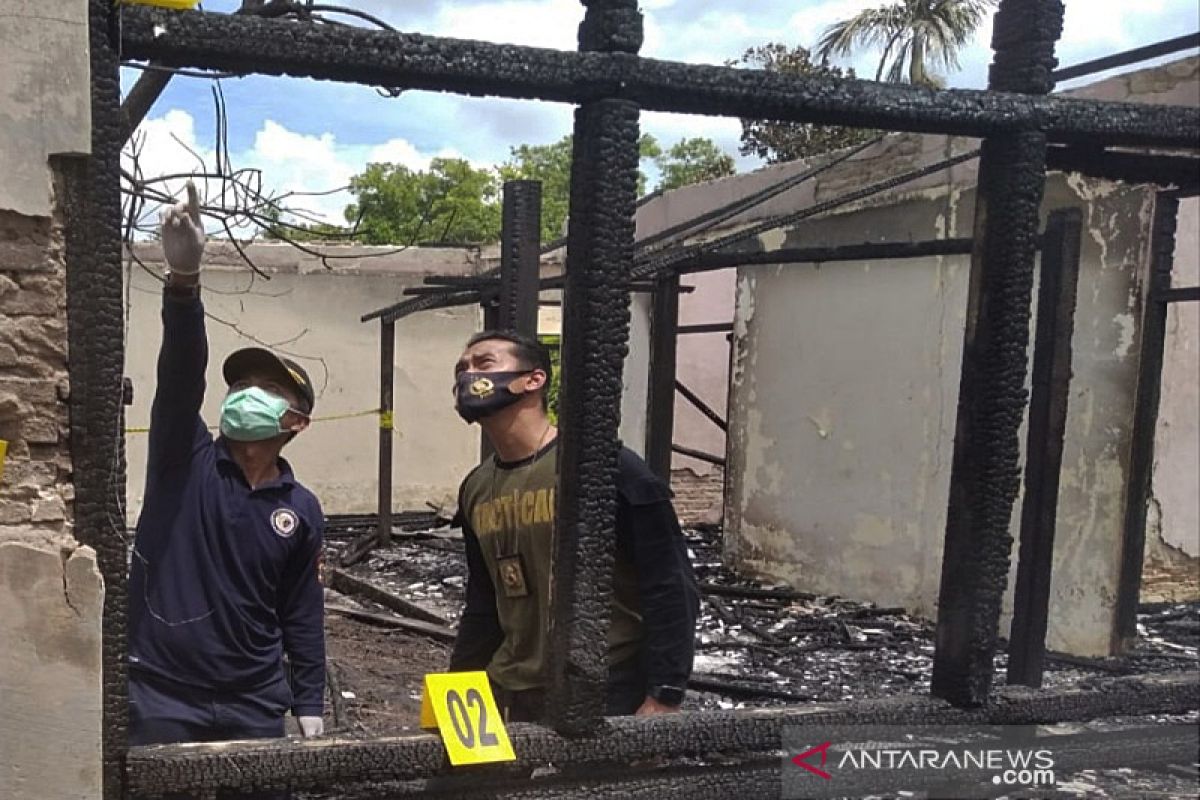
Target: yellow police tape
384, 417
179, 5
3, 455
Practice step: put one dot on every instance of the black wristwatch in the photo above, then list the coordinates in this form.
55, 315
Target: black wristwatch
667, 695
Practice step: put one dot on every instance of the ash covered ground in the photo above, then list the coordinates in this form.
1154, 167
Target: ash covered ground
756, 646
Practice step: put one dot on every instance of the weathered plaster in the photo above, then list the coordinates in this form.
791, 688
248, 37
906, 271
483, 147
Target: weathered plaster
50, 676
1176, 479
44, 102
843, 410
313, 313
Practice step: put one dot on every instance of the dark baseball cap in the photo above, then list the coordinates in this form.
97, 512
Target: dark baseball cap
263, 361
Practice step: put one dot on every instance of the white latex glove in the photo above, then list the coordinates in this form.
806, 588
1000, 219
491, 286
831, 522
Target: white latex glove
311, 726
183, 234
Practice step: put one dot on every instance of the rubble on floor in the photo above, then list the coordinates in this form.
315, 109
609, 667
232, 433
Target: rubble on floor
756, 645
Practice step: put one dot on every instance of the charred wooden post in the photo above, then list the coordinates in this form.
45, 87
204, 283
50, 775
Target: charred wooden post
986, 466
595, 340
660, 399
520, 256
387, 386
1057, 284
1152, 334
91, 199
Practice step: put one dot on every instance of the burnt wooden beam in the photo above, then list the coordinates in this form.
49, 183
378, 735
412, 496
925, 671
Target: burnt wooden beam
751, 779
1127, 57
655, 262
440, 633
1119, 165
1187, 294
1152, 332
1058, 282
660, 396
699, 455
868, 251
706, 327
332, 761
985, 470
344, 582
150, 84
754, 592
700, 405
416, 61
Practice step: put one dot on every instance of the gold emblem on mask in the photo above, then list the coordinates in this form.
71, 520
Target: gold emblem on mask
482, 387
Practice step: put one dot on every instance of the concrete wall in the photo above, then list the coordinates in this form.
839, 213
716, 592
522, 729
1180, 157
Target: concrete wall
51, 593
844, 378
702, 360
844, 395
312, 314
1174, 528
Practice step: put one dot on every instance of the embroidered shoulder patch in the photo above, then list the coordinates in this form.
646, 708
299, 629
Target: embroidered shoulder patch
284, 522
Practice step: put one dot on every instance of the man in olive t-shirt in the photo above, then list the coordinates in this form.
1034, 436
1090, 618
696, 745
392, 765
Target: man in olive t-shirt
507, 510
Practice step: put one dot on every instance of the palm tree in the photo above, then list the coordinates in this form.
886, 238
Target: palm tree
913, 32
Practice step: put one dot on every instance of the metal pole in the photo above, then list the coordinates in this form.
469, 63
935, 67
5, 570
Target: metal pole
1057, 284
387, 372
985, 472
660, 398
1153, 333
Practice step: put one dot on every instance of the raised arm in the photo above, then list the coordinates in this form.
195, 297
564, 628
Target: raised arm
175, 425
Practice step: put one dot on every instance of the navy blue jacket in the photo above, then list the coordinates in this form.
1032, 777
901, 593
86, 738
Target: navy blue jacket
224, 578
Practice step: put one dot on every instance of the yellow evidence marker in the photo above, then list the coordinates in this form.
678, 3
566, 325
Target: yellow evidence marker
3, 455
461, 707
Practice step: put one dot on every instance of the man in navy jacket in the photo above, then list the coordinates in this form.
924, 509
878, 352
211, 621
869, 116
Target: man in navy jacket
224, 573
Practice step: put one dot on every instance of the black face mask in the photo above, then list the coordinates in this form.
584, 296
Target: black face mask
481, 394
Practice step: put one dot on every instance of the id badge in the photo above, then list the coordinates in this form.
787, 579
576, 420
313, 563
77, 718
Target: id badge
512, 575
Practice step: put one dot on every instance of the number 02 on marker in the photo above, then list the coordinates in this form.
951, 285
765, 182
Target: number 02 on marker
460, 706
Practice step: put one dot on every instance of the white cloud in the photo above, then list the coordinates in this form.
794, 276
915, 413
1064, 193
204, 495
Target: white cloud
536, 23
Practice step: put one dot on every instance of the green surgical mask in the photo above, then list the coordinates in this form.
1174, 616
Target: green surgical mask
252, 415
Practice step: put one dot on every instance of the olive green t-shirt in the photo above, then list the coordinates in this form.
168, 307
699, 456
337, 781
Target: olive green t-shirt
511, 510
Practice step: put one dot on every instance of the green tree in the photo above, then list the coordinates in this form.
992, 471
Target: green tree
275, 228
788, 141
915, 35
551, 164
691, 161
450, 202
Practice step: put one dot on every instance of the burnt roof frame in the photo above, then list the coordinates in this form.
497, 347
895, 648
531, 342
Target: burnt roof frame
611, 83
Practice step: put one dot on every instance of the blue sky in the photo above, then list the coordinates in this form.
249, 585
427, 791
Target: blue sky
311, 135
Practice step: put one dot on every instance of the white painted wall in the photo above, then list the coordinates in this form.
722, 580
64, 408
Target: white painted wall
312, 314
844, 405
1175, 485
